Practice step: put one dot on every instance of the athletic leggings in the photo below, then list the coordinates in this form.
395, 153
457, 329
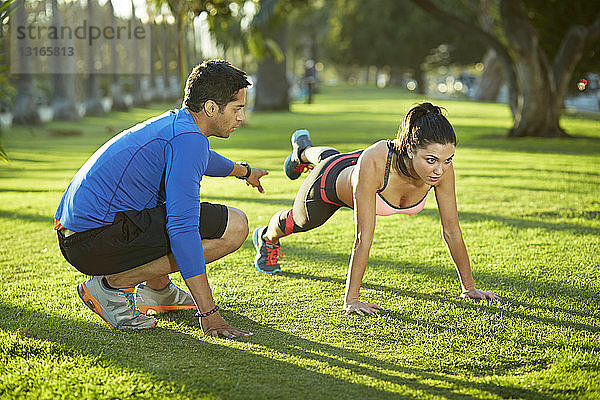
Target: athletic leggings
316, 200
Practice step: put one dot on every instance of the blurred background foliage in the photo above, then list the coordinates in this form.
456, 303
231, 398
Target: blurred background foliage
475, 49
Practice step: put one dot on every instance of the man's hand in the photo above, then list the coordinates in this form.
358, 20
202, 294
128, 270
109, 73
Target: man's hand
254, 178
479, 295
361, 308
214, 325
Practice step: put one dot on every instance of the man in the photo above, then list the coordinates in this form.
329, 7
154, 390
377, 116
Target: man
132, 213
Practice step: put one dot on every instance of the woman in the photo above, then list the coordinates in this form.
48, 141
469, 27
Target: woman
389, 177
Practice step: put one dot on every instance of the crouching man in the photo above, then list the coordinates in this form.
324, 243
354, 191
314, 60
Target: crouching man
133, 213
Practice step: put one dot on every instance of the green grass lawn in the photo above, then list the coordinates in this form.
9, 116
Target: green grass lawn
530, 215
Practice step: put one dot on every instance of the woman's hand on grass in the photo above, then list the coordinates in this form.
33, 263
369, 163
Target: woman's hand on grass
479, 295
214, 325
361, 308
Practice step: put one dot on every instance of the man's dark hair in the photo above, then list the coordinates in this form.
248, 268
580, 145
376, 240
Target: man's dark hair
215, 80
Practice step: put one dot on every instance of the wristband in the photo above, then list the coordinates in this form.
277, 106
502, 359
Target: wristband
248, 172
206, 314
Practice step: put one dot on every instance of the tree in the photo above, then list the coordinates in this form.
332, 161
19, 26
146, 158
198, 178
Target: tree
116, 88
26, 109
553, 18
403, 37
4, 86
537, 86
180, 9
63, 83
268, 41
93, 103
271, 81
139, 96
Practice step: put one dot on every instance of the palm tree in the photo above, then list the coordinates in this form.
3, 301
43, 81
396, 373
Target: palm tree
4, 86
63, 94
93, 104
25, 110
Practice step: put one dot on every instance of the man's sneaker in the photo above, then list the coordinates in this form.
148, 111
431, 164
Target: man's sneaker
115, 306
267, 253
171, 298
293, 166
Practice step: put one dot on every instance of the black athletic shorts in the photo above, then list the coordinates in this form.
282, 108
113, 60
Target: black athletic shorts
134, 238
316, 200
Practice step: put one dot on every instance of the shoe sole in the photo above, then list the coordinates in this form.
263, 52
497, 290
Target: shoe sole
93, 304
144, 309
298, 133
90, 301
292, 175
255, 242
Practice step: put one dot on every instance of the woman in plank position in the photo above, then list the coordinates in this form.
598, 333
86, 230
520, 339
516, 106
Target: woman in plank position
389, 177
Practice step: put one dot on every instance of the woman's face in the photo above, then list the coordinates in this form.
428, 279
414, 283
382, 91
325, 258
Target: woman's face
432, 161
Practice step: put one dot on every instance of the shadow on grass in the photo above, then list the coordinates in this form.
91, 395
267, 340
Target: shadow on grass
258, 371
529, 170
25, 217
280, 202
489, 308
580, 145
571, 181
31, 160
15, 190
507, 306
521, 223
356, 363
533, 189
590, 215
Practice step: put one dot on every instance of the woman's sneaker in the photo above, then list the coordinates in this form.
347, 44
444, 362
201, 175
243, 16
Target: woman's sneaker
293, 166
267, 253
115, 306
171, 298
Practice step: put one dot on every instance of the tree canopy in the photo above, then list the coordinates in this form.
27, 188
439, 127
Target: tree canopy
392, 33
537, 82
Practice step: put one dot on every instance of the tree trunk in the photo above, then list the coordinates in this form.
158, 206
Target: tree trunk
154, 50
420, 78
490, 81
181, 53
537, 112
396, 77
272, 85
569, 54
64, 107
167, 44
118, 100
139, 96
63, 95
25, 111
93, 103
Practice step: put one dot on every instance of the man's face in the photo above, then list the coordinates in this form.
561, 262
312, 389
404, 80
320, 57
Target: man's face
227, 121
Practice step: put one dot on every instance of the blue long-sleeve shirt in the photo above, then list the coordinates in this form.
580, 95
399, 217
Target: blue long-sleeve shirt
126, 174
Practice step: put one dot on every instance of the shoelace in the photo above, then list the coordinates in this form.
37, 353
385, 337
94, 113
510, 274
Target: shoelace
304, 167
129, 296
273, 253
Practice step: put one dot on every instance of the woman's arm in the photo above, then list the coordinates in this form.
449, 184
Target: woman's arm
446, 199
364, 192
